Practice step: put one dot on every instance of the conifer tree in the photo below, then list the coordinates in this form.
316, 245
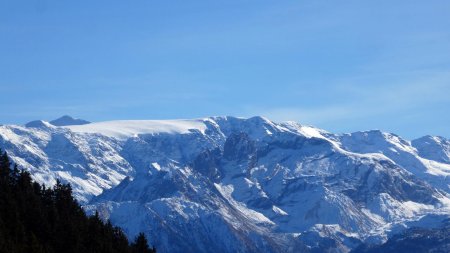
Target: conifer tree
140, 245
5, 165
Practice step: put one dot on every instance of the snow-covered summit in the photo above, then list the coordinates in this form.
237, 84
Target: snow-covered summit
433, 147
123, 129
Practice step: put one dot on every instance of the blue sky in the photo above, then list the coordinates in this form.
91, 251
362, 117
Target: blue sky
339, 65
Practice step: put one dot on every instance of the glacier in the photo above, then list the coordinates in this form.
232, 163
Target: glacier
229, 184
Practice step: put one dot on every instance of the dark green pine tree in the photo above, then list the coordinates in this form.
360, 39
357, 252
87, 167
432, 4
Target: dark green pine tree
140, 245
5, 166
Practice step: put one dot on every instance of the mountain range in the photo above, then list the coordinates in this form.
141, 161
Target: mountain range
229, 184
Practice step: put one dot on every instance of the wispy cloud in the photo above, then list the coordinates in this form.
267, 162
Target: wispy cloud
367, 101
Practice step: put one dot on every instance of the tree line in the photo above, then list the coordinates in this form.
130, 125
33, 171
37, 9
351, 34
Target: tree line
34, 218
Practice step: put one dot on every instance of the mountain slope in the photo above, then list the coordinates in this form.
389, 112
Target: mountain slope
240, 185
418, 240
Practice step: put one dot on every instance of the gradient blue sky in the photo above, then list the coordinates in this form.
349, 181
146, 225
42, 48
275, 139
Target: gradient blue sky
339, 65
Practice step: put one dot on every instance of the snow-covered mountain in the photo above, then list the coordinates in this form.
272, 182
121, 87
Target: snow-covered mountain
229, 184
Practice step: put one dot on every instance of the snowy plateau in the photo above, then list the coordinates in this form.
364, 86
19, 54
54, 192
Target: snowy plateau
227, 184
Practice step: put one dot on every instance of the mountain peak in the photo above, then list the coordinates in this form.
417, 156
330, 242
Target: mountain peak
67, 120
37, 124
433, 147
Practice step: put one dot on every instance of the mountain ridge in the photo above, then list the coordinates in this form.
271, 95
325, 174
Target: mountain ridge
266, 186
